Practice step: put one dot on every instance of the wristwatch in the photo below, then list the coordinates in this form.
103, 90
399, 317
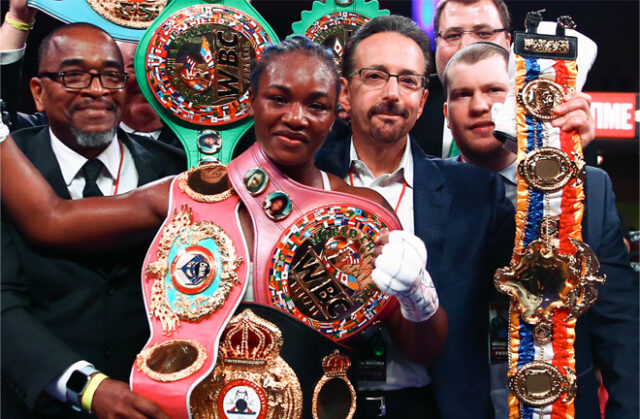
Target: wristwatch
77, 383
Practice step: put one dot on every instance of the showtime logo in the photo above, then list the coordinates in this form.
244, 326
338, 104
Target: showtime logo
615, 114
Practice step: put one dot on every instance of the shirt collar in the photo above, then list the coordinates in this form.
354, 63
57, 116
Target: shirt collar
404, 170
71, 162
510, 172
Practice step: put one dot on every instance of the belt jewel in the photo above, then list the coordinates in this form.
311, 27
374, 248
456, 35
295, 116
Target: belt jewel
552, 276
193, 65
331, 22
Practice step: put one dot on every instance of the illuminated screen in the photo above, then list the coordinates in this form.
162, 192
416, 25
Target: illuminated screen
423, 11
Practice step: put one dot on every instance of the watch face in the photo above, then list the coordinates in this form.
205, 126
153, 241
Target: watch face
77, 381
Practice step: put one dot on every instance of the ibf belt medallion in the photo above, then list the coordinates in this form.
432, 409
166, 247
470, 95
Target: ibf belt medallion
331, 23
133, 13
540, 96
250, 379
194, 272
321, 268
198, 64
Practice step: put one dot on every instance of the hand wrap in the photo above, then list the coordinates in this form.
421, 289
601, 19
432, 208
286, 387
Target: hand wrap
401, 271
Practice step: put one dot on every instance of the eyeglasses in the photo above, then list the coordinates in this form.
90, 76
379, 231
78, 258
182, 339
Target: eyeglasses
481, 33
77, 79
374, 78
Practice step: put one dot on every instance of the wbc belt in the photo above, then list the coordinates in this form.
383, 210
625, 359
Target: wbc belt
193, 278
313, 249
194, 66
332, 22
552, 276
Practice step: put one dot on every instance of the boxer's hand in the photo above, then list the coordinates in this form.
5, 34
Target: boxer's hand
400, 270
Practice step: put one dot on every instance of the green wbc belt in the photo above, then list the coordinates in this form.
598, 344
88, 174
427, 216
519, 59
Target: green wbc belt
194, 66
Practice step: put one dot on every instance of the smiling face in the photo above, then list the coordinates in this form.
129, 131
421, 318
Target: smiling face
91, 110
294, 107
384, 114
472, 90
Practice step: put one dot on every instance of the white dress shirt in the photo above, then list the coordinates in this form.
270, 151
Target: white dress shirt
70, 162
390, 185
401, 373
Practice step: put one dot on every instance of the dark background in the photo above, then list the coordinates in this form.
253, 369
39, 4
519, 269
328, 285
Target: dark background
613, 25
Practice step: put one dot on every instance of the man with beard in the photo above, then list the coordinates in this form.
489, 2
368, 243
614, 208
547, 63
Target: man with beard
458, 210
66, 316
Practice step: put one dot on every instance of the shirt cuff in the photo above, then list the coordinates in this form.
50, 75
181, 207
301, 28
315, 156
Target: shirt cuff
58, 387
11, 56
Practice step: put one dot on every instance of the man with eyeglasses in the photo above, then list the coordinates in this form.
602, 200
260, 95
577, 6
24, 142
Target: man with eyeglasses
459, 23
459, 211
68, 317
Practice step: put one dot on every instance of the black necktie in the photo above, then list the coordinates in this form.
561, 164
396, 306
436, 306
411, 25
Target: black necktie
91, 171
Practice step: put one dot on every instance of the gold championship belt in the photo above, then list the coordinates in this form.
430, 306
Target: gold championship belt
552, 276
314, 248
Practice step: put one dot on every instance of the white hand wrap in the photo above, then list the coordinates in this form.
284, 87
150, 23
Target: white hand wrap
401, 271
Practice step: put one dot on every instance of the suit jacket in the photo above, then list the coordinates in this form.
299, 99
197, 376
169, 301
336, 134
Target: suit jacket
427, 131
59, 307
461, 214
607, 335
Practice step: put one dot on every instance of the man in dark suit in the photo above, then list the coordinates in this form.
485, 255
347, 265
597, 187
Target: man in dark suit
68, 317
459, 211
607, 335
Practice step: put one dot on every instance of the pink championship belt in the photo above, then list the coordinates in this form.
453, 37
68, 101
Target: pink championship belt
193, 279
313, 249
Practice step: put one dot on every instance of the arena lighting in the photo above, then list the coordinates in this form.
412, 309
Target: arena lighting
423, 11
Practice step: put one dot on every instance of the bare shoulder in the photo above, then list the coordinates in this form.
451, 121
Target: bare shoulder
340, 185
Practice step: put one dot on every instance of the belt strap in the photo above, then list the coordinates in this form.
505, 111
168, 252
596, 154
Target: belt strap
193, 279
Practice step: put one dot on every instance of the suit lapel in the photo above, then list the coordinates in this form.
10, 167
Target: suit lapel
431, 204
141, 158
38, 149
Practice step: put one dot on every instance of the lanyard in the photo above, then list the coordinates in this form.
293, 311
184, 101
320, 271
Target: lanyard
117, 183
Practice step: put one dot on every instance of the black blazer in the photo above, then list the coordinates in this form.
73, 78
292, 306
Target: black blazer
59, 307
427, 131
